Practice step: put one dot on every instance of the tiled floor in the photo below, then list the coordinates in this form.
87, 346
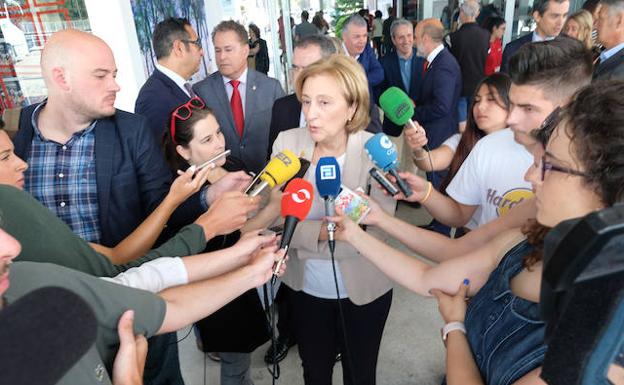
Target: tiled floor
411, 349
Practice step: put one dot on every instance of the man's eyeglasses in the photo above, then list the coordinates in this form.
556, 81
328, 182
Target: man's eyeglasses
184, 112
197, 42
548, 166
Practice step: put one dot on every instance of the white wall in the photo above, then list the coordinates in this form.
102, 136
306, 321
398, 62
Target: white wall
112, 21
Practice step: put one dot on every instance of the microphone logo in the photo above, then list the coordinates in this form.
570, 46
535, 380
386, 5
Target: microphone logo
328, 172
385, 142
401, 110
284, 158
297, 196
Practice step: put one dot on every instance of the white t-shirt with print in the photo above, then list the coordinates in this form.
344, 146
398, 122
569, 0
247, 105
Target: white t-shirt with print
492, 177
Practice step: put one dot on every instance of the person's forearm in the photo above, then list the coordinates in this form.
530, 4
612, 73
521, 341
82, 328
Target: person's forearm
421, 160
429, 244
265, 217
403, 269
208, 265
189, 303
141, 240
461, 368
446, 210
434, 160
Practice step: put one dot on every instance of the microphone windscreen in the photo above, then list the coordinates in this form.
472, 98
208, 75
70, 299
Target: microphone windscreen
328, 177
397, 106
281, 168
297, 199
382, 151
43, 335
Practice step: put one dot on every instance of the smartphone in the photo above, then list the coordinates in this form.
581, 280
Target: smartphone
305, 164
212, 160
352, 205
383, 181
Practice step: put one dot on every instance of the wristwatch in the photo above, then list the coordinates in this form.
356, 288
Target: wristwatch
449, 327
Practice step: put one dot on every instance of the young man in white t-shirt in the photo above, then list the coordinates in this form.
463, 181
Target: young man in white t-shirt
544, 76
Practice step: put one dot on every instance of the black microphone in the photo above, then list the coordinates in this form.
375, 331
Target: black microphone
43, 335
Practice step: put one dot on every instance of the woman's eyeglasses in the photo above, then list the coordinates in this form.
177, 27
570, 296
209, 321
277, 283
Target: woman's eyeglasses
184, 112
548, 166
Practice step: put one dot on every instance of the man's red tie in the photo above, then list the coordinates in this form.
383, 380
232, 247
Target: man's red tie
425, 66
237, 108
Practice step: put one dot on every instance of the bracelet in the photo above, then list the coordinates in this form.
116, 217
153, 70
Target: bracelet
419, 158
429, 189
451, 326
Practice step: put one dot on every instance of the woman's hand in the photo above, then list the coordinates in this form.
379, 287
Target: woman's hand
376, 213
419, 186
416, 138
453, 307
232, 181
346, 229
187, 184
263, 261
252, 241
275, 198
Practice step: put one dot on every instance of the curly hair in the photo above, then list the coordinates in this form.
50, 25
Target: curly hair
594, 120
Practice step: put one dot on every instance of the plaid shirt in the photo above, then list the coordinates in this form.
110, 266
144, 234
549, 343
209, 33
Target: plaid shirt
62, 177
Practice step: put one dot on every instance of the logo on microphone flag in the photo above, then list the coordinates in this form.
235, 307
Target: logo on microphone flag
328, 172
301, 196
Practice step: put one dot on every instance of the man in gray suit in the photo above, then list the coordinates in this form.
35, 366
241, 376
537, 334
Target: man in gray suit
241, 98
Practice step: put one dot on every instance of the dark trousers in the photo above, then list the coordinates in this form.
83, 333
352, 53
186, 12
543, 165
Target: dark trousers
283, 299
318, 331
162, 366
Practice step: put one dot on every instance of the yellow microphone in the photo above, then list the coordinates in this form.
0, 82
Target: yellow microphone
280, 169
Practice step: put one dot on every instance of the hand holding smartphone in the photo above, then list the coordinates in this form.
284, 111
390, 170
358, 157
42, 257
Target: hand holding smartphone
352, 204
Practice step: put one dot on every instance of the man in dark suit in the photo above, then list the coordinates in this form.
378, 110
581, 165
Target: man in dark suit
178, 53
402, 66
241, 98
610, 26
97, 168
549, 15
470, 45
436, 108
355, 43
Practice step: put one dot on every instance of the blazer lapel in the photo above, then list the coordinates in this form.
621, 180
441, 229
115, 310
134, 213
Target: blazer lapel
610, 62
353, 158
250, 98
175, 90
104, 155
221, 95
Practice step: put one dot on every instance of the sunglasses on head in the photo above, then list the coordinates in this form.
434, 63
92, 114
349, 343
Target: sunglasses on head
184, 112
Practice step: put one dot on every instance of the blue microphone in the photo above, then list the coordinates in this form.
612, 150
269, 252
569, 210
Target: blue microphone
384, 155
328, 186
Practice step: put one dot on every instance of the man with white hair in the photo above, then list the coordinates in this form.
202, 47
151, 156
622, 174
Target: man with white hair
610, 26
470, 45
355, 43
